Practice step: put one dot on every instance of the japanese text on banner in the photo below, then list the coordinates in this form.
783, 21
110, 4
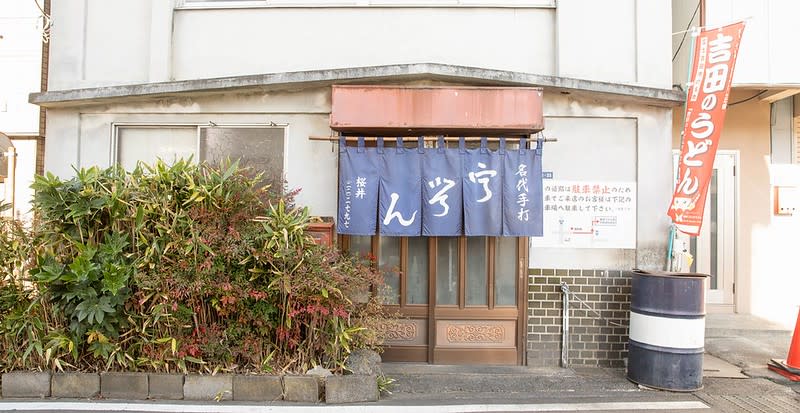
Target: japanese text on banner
713, 64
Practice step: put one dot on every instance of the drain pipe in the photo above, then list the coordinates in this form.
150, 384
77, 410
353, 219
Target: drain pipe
565, 325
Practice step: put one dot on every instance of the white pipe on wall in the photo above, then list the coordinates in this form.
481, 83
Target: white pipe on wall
10, 178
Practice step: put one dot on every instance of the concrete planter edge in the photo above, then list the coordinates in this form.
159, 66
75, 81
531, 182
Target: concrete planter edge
26, 384
124, 386
175, 386
351, 388
208, 388
75, 385
303, 388
165, 386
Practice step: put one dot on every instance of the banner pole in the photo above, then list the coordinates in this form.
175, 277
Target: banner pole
689, 68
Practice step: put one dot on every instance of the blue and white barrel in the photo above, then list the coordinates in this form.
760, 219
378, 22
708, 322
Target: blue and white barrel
667, 330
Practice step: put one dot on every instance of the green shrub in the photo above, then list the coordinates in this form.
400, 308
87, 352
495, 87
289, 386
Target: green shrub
91, 290
320, 315
182, 267
15, 248
23, 314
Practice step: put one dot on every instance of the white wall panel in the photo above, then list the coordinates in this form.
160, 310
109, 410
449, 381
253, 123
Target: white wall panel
752, 64
26, 170
19, 76
161, 40
600, 140
597, 40
603, 148
61, 150
66, 44
653, 43
117, 41
213, 43
784, 42
589, 148
683, 19
769, 50
625, 41
20, 64
95, 142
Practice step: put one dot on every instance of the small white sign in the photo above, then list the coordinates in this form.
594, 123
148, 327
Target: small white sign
587, 214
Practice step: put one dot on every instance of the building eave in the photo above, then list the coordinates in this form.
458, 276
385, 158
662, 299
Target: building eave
369, 74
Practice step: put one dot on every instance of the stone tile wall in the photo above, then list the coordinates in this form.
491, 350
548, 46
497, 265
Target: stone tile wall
593, 341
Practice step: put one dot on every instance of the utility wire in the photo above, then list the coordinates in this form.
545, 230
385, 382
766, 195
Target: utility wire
748, 99
686, 31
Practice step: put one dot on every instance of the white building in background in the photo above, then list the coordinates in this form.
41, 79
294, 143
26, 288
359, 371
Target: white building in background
20, 74
753, 226
137, 80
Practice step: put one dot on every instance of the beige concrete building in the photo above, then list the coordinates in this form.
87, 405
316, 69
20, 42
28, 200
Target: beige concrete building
749, 244
137, 80
21, 43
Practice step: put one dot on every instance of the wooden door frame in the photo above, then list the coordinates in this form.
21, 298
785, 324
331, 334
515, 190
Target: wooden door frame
432, 250
430, 311
523, 245
489, 313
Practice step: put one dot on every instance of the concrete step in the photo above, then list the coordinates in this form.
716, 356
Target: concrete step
423, 378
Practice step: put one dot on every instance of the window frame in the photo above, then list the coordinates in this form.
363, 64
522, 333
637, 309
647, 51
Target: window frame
240, 4
461, 298
219, 4
115, 127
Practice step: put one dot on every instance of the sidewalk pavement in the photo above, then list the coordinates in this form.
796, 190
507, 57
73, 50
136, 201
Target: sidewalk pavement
749, 343
736, 378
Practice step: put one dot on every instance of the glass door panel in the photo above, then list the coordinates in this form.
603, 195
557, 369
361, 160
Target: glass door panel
360, 245
712, 252
389, 265
505, 271
477, 317
457, 296
477, 273
417, 272
447, 267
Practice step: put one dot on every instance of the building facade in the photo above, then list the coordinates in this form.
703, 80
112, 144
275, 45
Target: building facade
139, 80
753, 221
21, 57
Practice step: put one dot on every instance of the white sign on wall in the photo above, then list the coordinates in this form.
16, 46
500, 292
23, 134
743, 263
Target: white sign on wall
587, 214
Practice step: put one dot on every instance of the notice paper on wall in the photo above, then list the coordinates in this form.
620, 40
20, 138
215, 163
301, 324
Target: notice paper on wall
588, 214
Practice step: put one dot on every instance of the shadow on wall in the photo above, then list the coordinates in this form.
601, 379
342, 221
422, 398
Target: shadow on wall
776, 285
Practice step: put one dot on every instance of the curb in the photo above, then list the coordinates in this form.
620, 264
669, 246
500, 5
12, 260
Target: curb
352, 388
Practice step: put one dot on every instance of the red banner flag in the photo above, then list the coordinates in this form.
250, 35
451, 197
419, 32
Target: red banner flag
707, 99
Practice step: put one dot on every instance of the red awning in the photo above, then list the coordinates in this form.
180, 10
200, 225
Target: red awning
400, 111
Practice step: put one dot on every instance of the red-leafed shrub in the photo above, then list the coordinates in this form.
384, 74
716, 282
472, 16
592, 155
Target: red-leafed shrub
182, 267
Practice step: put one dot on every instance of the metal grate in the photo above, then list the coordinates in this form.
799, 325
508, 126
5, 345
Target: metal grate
766, 403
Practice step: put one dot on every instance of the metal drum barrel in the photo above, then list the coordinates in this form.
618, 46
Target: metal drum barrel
667, 330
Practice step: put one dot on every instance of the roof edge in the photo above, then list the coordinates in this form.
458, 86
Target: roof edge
293, 80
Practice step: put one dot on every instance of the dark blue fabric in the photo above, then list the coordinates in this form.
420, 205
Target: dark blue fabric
358, 189
400, 195
522, 192
483, 186
442, 213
